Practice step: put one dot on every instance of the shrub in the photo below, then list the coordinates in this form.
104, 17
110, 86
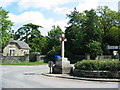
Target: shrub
110, 65
94, 48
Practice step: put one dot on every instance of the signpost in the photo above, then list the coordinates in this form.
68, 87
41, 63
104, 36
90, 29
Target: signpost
115, 48
112, 47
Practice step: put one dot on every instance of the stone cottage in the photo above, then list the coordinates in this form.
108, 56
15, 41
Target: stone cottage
16, 48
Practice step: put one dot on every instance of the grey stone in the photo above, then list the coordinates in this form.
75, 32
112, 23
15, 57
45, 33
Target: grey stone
62, 66
14, 59
98, 74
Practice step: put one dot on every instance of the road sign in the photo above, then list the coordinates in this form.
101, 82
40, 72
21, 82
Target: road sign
112, 47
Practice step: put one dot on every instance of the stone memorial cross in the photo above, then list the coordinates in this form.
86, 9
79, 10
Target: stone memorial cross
63, 39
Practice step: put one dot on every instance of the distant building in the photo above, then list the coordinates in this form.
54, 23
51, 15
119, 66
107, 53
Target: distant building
16, 48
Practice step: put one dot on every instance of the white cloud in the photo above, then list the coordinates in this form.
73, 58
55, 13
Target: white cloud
47, 4
87, 5
53, 5
63, 10
5, 3
36, 18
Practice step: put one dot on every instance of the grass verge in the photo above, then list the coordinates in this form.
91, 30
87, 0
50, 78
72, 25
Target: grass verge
24, 63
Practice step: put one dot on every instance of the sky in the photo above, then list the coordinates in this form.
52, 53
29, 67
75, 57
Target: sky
47, 13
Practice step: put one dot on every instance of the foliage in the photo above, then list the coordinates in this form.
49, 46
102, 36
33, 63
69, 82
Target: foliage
31, 34
53, 42
109, 22
26, 31
5, 27
95, 49
111, 65
91, 31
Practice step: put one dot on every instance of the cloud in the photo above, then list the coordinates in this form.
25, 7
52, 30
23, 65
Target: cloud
36, 18
87, 5
5, 3
47, 4
63, 10
54, 5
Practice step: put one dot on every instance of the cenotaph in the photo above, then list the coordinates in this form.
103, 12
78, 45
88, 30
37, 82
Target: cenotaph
62, 66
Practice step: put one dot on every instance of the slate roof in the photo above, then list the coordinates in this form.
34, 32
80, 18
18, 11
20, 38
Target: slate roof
21, 44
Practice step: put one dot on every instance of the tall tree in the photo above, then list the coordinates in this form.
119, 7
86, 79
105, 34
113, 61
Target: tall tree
53, 41
31, 34
83, 30
24, 32
5, 27
53, 37
108, 20
73, 33
90, 27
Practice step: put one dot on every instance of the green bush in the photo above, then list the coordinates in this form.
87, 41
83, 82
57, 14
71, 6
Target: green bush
111, 65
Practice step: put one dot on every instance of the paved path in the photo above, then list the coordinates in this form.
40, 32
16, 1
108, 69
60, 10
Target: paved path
31, 77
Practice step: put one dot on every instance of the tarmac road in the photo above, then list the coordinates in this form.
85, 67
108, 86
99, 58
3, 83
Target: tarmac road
31, 77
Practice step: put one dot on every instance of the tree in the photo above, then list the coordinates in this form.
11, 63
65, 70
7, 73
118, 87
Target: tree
31, 34
109, 22
74, 34
53, 38
24, 32
53, 45
5, 27
83, 29
90, 27
94, 27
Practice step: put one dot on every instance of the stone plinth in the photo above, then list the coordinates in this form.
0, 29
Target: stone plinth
62, 66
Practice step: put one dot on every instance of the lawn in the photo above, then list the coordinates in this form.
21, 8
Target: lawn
24, 63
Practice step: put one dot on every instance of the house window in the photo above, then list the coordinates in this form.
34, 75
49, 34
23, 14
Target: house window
12, 51
25, 52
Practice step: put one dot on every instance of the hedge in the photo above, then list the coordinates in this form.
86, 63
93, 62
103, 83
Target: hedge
109, 65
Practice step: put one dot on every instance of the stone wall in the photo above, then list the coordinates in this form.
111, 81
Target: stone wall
0, 57
97, 74
77, 58
40, 58
104, 57
15, 59
36, 57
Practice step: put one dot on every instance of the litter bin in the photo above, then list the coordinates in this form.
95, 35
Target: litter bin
56, 57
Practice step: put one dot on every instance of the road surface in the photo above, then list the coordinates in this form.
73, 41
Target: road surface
30, 77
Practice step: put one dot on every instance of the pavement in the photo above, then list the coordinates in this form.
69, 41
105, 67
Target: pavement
67, 76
